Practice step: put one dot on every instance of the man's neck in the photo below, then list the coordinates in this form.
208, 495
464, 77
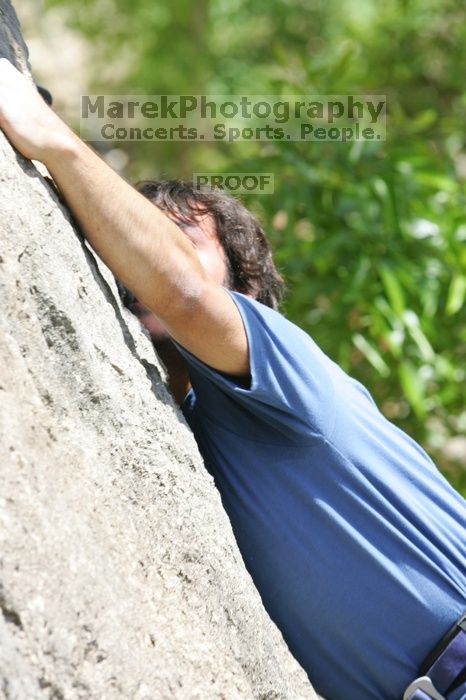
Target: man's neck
178, 376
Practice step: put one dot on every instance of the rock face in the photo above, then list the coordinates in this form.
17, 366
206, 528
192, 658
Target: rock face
119, 573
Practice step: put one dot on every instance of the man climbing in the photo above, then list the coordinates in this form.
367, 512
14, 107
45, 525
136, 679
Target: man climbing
355, 541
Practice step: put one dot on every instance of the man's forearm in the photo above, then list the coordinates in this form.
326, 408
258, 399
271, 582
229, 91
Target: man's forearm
142, 246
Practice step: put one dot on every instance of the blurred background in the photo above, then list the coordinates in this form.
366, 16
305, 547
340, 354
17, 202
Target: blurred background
370, 237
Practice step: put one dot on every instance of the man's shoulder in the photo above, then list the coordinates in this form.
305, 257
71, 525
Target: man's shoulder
291, 385
261, 315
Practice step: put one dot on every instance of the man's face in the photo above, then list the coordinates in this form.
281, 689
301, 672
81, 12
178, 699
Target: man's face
212, 257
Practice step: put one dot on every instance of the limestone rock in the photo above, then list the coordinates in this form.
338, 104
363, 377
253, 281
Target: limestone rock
119, 573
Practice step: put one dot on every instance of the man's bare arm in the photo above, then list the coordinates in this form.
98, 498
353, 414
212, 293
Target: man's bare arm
143, 247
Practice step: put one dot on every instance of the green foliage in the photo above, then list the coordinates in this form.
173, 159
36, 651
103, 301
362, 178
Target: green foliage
370, 236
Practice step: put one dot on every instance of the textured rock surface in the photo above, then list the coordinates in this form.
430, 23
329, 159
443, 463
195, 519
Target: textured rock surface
119, 573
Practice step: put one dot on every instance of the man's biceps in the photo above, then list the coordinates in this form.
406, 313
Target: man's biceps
216, 335
225, 335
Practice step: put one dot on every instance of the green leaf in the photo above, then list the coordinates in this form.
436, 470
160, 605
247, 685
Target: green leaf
456, 294
371, 354
413, 326
393, 289
412, 387
437, 181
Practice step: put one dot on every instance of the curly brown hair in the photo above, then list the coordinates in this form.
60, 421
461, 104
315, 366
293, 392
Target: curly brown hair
251, 268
